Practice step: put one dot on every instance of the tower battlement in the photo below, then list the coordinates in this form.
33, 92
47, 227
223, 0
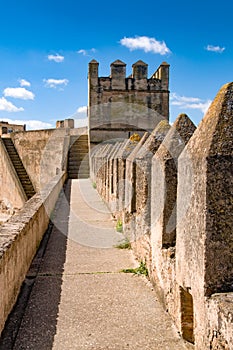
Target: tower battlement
115, 99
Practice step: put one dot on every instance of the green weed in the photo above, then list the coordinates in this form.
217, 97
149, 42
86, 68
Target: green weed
124, 244
141, 270
119, 226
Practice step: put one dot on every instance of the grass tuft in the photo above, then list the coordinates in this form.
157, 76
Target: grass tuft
124, 244
119, 226
141, 270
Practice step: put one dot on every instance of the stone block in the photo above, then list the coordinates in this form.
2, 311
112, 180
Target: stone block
204, 246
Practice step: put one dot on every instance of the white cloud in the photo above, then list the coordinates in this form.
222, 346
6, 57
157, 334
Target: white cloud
82, 109
56, 58
20, 92
190, 102
80, 117
146, 44
37, 125
30, 124
54, 83
203, 106
86, 52
24, 82
213, 48
182, 99
8, 106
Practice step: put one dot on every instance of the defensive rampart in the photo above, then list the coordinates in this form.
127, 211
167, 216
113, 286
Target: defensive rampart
19, 240
44, 154
173, 193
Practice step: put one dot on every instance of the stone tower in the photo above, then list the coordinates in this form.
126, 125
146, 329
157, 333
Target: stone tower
120, 105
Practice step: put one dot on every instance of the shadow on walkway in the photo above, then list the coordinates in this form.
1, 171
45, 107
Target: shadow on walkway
37, 307
77, 294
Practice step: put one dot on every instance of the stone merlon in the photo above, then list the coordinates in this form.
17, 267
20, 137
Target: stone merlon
121, 103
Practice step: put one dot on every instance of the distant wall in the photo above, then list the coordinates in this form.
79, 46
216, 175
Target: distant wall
6, 128
41, 153
11, 188
119, 105
44, 152
19, 240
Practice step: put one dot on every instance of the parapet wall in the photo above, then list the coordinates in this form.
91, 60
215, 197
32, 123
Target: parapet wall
173, 193
19, 240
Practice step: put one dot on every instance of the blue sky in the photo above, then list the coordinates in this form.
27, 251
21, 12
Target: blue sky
46, 45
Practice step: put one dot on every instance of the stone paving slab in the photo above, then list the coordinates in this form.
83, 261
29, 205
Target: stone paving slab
105, 311
81, 299
87, 259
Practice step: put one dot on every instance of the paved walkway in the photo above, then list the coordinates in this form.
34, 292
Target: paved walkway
80, 299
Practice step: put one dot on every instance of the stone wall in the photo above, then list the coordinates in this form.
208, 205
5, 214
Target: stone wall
11, 188
119, 106
6, 128
173, 194
204, 246
19, 240
44, 152
41, 153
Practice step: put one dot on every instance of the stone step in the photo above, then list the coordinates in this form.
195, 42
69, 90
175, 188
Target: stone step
19, 168
79, 176
77, 162
16, 160
78, 158
78, 152
78, 172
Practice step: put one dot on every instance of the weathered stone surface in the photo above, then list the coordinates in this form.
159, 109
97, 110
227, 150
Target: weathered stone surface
163, 210
11, 189
164, 180
19, 240
189, 253
80, 299
143, 160
118, 105
204, 247
115, 177
120, 169
220, 320
44, 152
94, 156
109, 172
6, 128
130, 191
100, 166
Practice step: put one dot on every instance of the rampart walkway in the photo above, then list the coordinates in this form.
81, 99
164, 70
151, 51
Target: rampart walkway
80, 298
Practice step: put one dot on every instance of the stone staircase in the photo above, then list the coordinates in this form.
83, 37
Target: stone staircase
78, 158
19, 168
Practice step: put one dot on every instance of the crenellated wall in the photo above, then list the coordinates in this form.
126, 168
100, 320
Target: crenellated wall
173, 192
118, 105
